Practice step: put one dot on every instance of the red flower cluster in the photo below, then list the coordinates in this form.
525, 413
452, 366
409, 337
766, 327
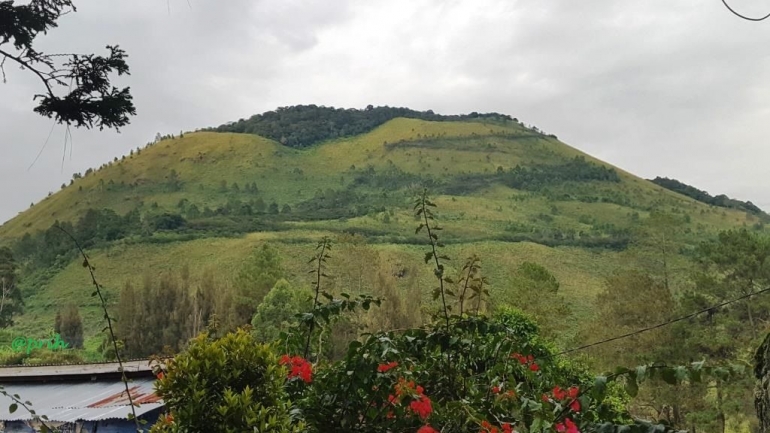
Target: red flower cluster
566, 427
571, 394
299, 367
427, 429
383, 368
487, 427
160, 375
528, 360
420, 405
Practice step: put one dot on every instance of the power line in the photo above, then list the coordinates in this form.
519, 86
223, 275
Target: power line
743, 16
669, 322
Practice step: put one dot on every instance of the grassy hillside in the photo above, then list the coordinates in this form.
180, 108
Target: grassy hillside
578, 217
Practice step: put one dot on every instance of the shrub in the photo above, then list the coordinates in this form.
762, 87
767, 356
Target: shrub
231, 385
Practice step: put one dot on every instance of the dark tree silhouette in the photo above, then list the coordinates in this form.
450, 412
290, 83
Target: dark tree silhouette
77, 88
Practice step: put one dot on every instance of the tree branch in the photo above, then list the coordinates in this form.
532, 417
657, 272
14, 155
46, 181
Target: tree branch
25, 64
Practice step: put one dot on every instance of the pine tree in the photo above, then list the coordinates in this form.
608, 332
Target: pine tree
69, 325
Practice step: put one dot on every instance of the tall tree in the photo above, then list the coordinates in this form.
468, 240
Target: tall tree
69, 326
736, 264
658, 234
278, 311
11, 302
258, 275
77, 87
535, 290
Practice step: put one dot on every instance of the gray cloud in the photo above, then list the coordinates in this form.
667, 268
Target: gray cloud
663, 87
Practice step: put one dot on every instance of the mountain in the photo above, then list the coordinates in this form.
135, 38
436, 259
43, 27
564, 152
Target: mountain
204, 200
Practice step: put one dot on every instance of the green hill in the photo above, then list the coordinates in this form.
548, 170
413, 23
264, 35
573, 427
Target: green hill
504, 191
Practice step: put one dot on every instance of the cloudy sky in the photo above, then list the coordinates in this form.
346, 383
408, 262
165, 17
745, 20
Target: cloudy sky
677, 88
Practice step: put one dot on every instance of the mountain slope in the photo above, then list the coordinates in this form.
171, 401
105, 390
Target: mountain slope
505, 192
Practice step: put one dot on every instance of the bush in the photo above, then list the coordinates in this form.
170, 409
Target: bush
231, 385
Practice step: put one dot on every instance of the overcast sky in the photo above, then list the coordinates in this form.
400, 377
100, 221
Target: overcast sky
677, 88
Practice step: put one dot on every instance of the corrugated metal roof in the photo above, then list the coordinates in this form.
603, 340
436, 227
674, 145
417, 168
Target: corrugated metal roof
82, 401
18, 371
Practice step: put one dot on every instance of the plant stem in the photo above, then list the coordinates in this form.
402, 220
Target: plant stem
98, 287
319, 258
439, 272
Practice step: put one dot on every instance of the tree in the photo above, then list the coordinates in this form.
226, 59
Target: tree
11, 302
257, 276
273, 209
277, 311
658, 234
260, 205
69, 326
736, 264
90, 99
535, 291
225, 386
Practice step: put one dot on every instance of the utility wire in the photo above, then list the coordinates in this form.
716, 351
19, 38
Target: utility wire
744, 16
669, 322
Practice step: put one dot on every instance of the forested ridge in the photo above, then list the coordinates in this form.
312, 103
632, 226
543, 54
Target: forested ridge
304, 125
720, 200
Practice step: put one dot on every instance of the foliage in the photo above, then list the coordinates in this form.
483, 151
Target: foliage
736, 264
11, 302
702, 196
69, 325
230, 385
535, 290
305, 125
164, 313
278, 310
90, 100
261, 271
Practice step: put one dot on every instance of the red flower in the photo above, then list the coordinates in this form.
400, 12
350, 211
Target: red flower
495, 390
560, 427
575, 406
510, 394
390, 415
545, 398
558, 393
161, 375
421, 407
169, 418
507, 427
299, 367
534, 367
427, 429
570, 426
521, 358
383, 368
573, 392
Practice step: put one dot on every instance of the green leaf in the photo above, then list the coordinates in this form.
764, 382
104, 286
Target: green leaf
668, 375
599, 388
12, 408
632, 388
641, 373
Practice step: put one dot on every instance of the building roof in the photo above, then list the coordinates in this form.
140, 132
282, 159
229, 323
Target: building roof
29, 373
80, 401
